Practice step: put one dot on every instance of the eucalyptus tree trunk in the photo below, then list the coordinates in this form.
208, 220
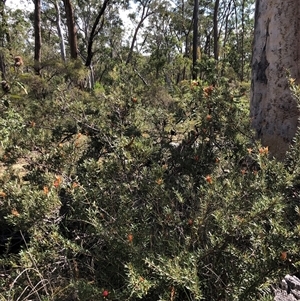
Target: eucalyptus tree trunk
60, 31
195, 37
72, 34
242, 41
37, 37
94, 32
216, 30
3, 44
276, 52
146, 12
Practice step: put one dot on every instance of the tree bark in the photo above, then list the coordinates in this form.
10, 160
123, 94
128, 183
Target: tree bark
60, 31
195, 37
216, 30
37, 37
242, 42
2, 40
276, 51
94, 32
71, 29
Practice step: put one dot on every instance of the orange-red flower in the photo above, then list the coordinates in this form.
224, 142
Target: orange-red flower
32, 124
159, 181
208, 117
190, 222
208, 90
208, 179
283, 256
264, 150
57, 181
130, 238
75, 184
46, 190
15, 212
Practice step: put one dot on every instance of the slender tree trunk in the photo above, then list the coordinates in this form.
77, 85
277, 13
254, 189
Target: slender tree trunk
37, 37
276, 51
129, 56
216, 30
72, 34
226, 30
242, 41
91, 77
2, 66
195, 37
2, 41
145, 14
95, 30
60, 31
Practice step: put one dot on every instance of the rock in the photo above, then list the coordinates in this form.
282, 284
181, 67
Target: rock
284, 285
289, 289
296, 294
293, 282
282, 295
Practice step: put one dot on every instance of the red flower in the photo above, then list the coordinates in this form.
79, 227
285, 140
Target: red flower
105, 293
208, 117
283, 255
209, 179
58, 181
130, 238
208, 90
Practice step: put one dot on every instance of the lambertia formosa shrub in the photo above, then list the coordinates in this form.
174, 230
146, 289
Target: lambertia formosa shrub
130, 193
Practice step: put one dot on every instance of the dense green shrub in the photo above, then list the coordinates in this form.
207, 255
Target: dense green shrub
130, 192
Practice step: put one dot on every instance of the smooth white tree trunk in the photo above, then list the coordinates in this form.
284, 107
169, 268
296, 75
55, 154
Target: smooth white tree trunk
276, 52
60, 31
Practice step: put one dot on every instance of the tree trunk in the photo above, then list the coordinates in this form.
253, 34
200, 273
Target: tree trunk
216, 30
146, 12
95, 30
195, 37
71, 29
276, 51
37, 36
60, 31
2, 40
242, 42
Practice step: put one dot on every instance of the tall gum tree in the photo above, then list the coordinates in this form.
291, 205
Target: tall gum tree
195, 37
72, 33
37, 36
60, 30
276, 52
4, 38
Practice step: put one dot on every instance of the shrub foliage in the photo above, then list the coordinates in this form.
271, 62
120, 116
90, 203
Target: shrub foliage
131, 192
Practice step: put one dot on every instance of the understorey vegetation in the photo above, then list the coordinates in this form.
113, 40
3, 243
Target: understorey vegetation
135, 192
128, 167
